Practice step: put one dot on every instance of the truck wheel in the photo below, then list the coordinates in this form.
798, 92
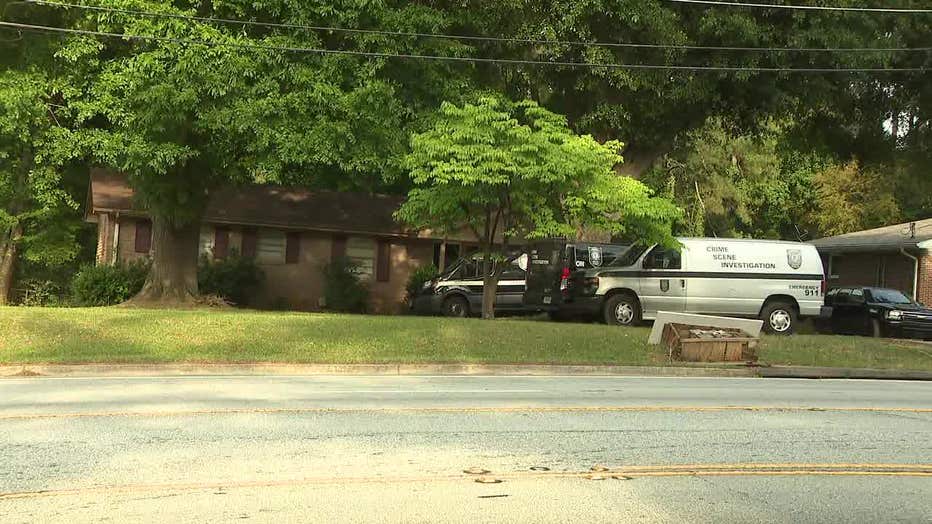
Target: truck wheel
779, 318
622, 310
455, 306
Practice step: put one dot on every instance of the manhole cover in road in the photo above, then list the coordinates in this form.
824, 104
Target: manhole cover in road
620, 477
598, 468
540, 468
476, 471
488, 480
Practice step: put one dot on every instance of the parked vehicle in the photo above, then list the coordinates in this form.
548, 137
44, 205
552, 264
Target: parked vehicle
457, 291
776, 281
877, 312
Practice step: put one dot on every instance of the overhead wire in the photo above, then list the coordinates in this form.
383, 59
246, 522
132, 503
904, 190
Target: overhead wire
887, 10
579, 43
375, 54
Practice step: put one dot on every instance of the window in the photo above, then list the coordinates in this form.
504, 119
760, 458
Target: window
856, 296
361, 252
270, 247
465, 270
143, 236
661, 258
889, 296
383, 261
249, 242
221, 242
514, 271
292, 248
338, 248
629, 257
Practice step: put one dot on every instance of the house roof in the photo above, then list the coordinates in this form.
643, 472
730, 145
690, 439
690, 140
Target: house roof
909, 235
274, 206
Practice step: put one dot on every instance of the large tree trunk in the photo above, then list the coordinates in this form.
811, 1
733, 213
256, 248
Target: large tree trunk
8, 248
172, 279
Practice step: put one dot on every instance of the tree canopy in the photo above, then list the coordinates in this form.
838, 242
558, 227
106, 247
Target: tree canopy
508, 171
187, 102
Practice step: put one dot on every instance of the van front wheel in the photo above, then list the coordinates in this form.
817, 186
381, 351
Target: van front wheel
779, 318
622, 310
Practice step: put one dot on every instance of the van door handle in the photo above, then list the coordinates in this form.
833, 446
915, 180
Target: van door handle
683, 283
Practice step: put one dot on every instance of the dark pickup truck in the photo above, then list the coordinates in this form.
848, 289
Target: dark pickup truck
877, 312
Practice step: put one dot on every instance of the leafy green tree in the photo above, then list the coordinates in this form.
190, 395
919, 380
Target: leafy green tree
852, 198
514, 171
37, 215
182, 118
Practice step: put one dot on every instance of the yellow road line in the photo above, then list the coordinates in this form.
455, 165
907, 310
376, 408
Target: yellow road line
490, 409
649, 471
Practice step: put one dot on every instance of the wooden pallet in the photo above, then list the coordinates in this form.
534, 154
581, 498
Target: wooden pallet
708, 344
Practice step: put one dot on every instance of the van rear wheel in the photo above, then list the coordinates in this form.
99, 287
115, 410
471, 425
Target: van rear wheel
622, 310
779, 318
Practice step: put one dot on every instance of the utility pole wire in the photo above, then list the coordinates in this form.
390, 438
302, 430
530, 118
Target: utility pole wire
476, 38
373, 54
887, 10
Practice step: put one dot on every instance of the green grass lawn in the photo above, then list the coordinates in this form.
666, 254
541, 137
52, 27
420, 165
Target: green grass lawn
125, 335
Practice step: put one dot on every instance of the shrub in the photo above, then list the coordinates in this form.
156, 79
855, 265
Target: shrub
417, 279
108, 285
234, 278
343, 289
41, 293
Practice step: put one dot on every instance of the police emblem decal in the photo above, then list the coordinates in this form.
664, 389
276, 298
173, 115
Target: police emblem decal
794, 257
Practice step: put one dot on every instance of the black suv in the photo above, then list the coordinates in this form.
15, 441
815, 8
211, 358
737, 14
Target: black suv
877, 312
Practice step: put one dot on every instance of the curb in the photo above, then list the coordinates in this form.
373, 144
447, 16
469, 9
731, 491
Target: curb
853, 373
540, 370
141, 370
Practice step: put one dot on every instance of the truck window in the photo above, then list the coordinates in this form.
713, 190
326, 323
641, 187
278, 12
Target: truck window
662, 258
514, 271
629, 257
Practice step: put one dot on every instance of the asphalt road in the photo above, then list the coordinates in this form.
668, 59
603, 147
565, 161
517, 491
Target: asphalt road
394, 449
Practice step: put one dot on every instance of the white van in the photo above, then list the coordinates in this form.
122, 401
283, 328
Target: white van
776, 281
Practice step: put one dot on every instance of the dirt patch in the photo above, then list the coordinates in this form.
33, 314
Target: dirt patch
26, 373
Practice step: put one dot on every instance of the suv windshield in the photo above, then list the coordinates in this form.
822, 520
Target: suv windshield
630, 257
889, 296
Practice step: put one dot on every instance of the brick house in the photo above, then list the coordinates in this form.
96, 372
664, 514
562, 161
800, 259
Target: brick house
897, 256
290, 232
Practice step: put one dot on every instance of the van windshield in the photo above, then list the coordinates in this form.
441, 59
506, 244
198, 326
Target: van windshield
630, 257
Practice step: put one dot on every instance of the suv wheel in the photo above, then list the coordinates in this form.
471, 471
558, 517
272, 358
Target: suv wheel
622, 310
456, 306
779, 318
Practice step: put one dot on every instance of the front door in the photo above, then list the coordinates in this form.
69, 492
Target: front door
663, 284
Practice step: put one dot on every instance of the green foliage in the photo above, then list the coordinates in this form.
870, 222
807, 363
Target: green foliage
507, 170
344, 291
852, 198
107, 285
417, 279
504, 170
234, 278
38, 216
40, 293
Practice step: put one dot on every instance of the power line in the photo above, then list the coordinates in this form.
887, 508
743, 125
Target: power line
370, 54
888, 10
470, 37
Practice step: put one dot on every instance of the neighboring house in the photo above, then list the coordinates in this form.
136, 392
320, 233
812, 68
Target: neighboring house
898, 256
292, 234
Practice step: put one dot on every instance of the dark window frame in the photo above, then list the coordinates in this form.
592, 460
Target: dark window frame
292, 247
143, 243
383, 260
221, 242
